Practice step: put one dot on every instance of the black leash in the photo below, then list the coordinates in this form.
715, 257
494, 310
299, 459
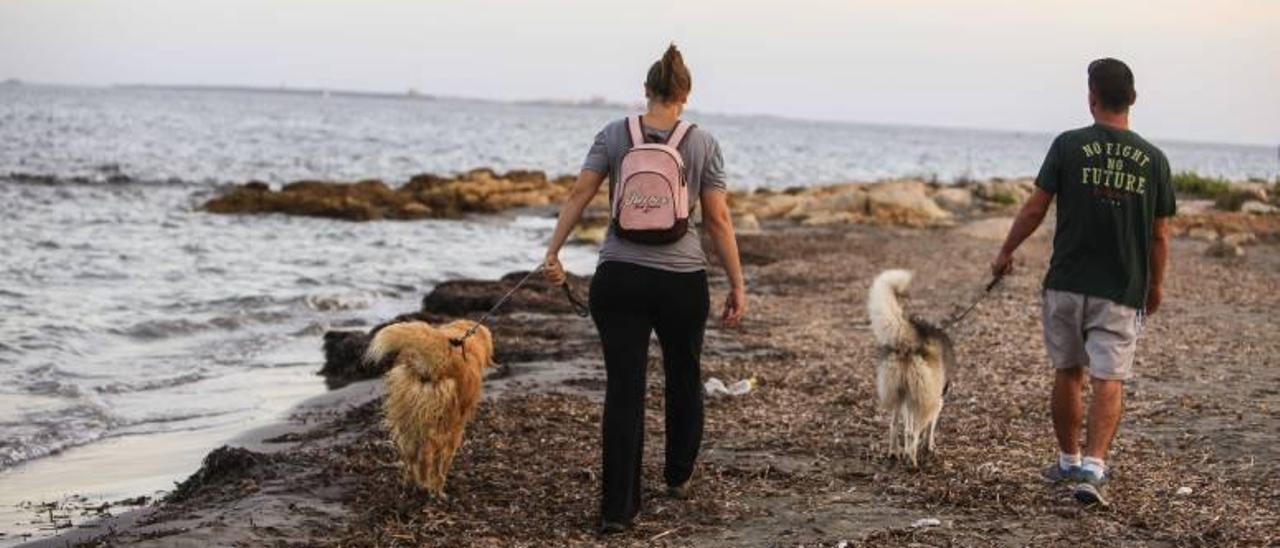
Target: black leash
946, 326
578, 308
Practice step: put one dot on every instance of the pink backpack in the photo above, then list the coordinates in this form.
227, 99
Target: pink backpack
651, 197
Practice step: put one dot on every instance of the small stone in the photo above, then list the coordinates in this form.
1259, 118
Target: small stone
1223, 250
954, 199
1258, 208
1203, 234
1183, 491
1240, 238
746, 224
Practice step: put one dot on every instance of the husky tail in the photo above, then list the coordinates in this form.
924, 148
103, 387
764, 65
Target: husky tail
888, 323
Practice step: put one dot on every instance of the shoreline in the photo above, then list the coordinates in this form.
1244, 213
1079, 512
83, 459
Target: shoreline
803, 217
796, 460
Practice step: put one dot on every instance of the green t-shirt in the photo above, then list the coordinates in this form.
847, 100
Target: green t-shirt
1111, 185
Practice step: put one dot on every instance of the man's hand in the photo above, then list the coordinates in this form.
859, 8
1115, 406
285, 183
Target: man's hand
1155, 296
735, 307
1002, 265
552, 270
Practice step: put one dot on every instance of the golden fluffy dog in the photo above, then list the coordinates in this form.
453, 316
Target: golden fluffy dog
912, 372
433, 389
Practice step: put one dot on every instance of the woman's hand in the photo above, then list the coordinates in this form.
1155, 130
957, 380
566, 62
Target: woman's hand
552, 270
580, 195
735, 307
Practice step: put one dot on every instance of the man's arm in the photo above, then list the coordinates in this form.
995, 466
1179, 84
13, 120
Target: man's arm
1159, 258
1028, 220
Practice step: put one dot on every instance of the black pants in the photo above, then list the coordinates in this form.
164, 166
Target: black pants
628, 302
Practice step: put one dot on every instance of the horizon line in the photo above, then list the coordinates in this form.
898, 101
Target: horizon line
595, 102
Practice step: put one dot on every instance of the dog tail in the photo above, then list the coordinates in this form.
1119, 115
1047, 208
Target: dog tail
427, 341
888, 323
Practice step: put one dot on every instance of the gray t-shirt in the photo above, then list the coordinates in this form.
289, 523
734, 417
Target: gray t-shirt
703, 171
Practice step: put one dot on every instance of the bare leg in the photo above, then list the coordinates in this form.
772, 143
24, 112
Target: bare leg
1067, 406
1104, 416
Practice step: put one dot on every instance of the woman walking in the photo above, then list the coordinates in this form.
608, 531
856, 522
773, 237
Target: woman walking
666, 183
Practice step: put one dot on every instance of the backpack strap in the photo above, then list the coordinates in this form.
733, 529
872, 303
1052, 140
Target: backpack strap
635, 131
678, 133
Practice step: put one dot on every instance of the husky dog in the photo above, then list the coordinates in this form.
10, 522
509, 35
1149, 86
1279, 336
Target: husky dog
912, 371
432, 392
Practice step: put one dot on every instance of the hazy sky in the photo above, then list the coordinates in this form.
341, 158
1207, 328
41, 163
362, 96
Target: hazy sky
1206, 71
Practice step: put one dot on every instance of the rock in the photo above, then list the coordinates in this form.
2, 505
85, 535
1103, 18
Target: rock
903, 202
1203, 234
592, 228
464, 298
746, 224
587, 234
426, 195
1004, 193
1194, 207
851, 200
1240, 239
1252, 189
1258, 208
222, 468
830, 217
994, 229
1183, 491
1223, 250
773, 206
954, 199
926, 522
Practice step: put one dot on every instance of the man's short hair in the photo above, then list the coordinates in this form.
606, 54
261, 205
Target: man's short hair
1111, 82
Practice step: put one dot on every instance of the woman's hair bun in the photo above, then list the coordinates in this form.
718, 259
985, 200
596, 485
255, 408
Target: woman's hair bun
669, 78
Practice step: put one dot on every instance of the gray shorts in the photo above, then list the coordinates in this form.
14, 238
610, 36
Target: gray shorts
1092, 332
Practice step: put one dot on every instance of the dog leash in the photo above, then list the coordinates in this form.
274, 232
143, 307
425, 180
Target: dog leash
578, 308
946, 326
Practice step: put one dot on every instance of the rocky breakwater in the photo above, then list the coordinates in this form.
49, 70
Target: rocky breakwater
907, 202
516, 339
422, 197
1240, 215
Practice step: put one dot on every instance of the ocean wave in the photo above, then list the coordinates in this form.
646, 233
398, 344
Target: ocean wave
143, 386
150, 330
51, 433
160, 329
329, 303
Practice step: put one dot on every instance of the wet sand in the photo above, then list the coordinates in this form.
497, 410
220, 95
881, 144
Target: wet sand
798, 460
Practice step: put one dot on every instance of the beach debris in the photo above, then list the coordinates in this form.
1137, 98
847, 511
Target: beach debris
926, 522
1183, 491
716, 387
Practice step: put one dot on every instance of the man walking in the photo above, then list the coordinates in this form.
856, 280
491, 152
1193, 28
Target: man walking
1109, 251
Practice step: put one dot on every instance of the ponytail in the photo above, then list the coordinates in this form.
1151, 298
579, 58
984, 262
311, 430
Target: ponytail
669, 80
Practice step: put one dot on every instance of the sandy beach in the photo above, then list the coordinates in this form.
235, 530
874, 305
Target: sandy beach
797, 461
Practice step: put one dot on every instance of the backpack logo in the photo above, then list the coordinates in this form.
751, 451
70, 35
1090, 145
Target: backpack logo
644, 203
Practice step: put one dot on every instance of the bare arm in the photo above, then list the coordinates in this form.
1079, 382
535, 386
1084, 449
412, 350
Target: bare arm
1026, 223
584, 189
1159, 258
719, 225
